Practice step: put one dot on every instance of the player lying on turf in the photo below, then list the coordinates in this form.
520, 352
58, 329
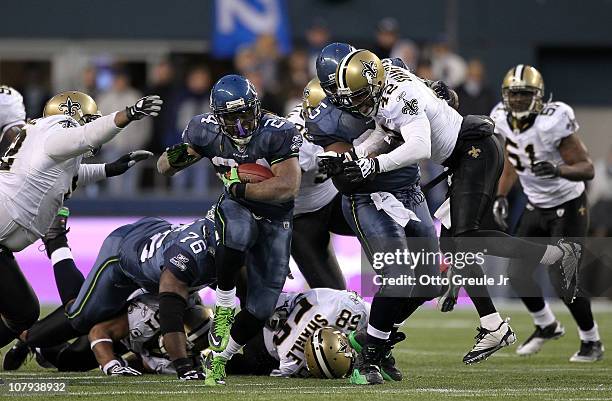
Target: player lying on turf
552, 163
127, 345
38, 170
164, 259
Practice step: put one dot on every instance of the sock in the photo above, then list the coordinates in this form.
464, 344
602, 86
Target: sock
68, 278
232, 349
376, 336
589, 335
543, 317
552, 255
226, 298
491, 322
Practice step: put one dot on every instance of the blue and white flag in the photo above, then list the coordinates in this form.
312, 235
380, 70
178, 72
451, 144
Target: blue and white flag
239, 22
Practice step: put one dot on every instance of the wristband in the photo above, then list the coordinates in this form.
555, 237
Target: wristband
239, 190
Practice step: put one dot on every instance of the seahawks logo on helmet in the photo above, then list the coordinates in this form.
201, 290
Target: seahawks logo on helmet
369, 70
69, 107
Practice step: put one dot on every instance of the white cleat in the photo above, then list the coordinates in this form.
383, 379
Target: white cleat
489, 342
541, 335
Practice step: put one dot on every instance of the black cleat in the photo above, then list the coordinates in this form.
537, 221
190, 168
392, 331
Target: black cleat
16, 356
56, 235
366, 370
590, 351
536, 340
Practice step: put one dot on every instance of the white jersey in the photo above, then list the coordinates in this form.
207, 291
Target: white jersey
39, 168
312, 196
540, 142
12, 110
406, 99
306, 312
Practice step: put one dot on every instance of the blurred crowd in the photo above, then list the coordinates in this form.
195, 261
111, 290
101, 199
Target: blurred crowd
279, 79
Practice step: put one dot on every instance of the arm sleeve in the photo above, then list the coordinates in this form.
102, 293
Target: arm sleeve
90, 173
372, 143
181, 263
416, 146
285, 146
78, 140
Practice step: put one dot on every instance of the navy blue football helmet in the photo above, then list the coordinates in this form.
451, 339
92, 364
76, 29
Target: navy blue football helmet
236, 106
328, 60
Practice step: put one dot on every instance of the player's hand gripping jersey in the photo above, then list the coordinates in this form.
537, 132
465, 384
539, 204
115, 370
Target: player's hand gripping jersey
297, 316
537, 143
312, 195
41, 165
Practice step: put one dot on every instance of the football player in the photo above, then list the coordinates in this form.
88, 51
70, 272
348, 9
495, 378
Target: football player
430, 129
136, 330
37, 171
278, 350
169, 260
552, 163
253, 219
318, 207
386, 213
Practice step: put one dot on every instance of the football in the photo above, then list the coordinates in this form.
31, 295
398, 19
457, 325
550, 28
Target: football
254, 173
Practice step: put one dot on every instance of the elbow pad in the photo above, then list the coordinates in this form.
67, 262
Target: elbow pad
171, 310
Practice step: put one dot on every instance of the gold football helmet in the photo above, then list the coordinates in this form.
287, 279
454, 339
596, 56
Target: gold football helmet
313, 95
198, 319
523, 91
77, 105
360, 77
328, 354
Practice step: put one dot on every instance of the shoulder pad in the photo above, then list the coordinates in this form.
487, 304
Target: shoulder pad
201, 129
59, 120
499, 112
556, 116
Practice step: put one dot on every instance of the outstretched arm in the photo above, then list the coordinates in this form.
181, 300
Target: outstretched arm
177, 158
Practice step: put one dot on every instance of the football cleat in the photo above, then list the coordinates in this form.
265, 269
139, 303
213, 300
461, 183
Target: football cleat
450, 293
536, 340
367, 370
570, 263
219, 333
389, 371
214, 370
56, 235
490, 341
590, 351
16, 356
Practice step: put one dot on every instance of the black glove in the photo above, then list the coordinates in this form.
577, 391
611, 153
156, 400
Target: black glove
444, 92
500, 212
125, 162
145, 106
361, 169
179, 157
185, 370
545, 169
330, 164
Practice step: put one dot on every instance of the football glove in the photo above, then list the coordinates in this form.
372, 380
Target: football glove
115, 368
361, 169
231, 178
444, 92
145, 106
500, 211
185, 370
125, 162
330, 164
545, 169
179, 157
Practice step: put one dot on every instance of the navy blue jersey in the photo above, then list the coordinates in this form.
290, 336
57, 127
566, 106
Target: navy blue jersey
327, 124
275, 140
152, 244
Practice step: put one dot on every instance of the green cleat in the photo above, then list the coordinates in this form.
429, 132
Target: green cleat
214, 369
219, 333
366, 369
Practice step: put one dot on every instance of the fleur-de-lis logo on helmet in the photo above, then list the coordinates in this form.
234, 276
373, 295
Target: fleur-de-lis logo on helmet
369, 70
69, 107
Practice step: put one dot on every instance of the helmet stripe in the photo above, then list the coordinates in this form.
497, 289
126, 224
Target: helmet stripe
313, 349
518, 72
342, 69
319, 353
